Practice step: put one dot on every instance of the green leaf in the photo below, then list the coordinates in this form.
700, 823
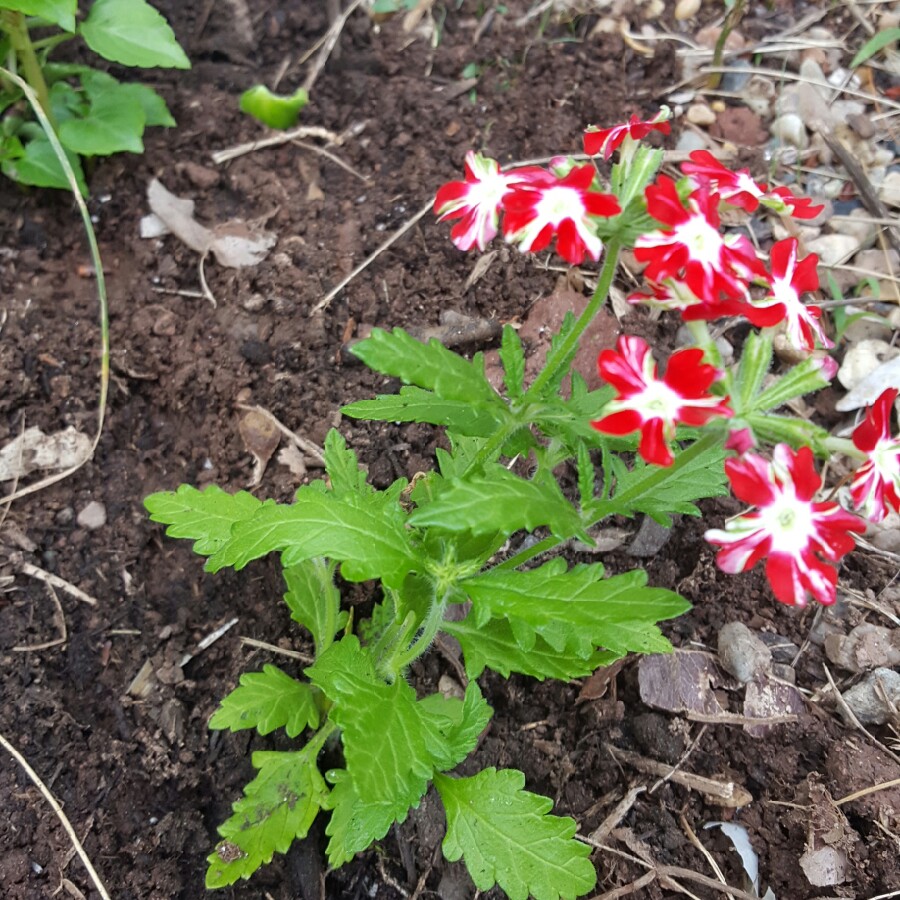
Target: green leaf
414, 404
874, 44
275, 110
369, 543
59, 12
803, 378
40, 166
506, 837
342, 466
774, 429
354, 825
556, 357
513, 358
494, 646
156, 113
278, 806
499, 501
756, 358
662, 492
431, 366
466, 720
392, 745
113, 124
133, 33
586, 475
205, 516
265, 701
614, 613
313, 599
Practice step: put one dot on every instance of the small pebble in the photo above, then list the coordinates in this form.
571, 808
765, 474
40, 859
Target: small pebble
689, 141
93, 516
790, 129
867, 647
833, 248
889, 191
742, 653
866, 701
686, 9
700, 114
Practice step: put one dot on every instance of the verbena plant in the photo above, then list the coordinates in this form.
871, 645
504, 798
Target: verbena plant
92, 112
446, 552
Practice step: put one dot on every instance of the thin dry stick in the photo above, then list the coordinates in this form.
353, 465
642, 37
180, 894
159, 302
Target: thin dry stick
59, 618
321, 151
262, 645
869, 790
621, 809
692, 837
308, 447
79, 849
852, 716
326, 300
681, 761
628, 889
276, 140
331, 38
26, 568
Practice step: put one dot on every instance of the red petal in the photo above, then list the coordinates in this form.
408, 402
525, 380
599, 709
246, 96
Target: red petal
653, 447
749, 477
625, 421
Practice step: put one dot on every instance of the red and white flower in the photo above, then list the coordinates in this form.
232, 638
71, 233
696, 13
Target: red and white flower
741, 189
476, 201
876, 483
652, 405
798, 536
694, 250
790, 279
542, 207
675, 294
607, 140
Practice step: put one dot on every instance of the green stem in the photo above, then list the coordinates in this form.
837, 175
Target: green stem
14, 25
571, 340
621, 499
402, 658
491, 450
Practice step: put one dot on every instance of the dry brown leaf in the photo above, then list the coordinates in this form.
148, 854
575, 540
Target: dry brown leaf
35, 450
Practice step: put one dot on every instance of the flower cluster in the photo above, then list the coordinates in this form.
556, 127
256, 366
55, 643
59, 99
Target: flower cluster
536, 206
693, 267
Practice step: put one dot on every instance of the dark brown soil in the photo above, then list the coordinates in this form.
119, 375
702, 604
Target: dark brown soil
143, 780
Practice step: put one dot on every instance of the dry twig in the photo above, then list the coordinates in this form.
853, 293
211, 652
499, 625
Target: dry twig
79, 849
26, 568
59, 619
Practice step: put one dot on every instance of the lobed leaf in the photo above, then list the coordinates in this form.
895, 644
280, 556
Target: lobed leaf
313, 599
499, 501
413, 404
205, 516
40, 166
512, 356
133, 33
494, 646
342, 466
278, 807
505, 836
431, 366
265, 701
370, 544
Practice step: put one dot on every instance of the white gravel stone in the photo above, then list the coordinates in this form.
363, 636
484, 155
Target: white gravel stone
700, 114
861, 360
790, 129
890, 189
93, 516
833, 248
689, 141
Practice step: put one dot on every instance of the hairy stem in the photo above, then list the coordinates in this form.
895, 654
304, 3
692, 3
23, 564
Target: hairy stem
571, 341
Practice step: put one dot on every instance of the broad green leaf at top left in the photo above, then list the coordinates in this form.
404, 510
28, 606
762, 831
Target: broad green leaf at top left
59, 12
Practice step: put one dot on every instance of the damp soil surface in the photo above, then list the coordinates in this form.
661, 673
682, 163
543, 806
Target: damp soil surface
111, 716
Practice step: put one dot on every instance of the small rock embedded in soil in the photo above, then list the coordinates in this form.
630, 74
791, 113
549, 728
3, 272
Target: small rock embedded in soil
871, 700
866, 647
93, 516
742, 653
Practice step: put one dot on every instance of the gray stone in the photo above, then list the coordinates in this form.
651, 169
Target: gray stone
93, 516
790, 129
871, 699
742, 653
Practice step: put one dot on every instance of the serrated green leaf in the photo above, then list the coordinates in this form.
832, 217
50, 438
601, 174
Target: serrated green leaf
512, 356
414, 404
804, 378
265, 701
205, 516
466, 719
59, 12
354, 825
431, 366
113, 124
493, 646
396, 768
586, 475
505, 836
615, 613
313, 599
133, 33
558, 358
342, 466
40, 166
278, 807
370, 544
662, 492
499, 501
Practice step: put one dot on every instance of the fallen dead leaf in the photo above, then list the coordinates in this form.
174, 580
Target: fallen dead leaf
261, 437
35, 450
679, 682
